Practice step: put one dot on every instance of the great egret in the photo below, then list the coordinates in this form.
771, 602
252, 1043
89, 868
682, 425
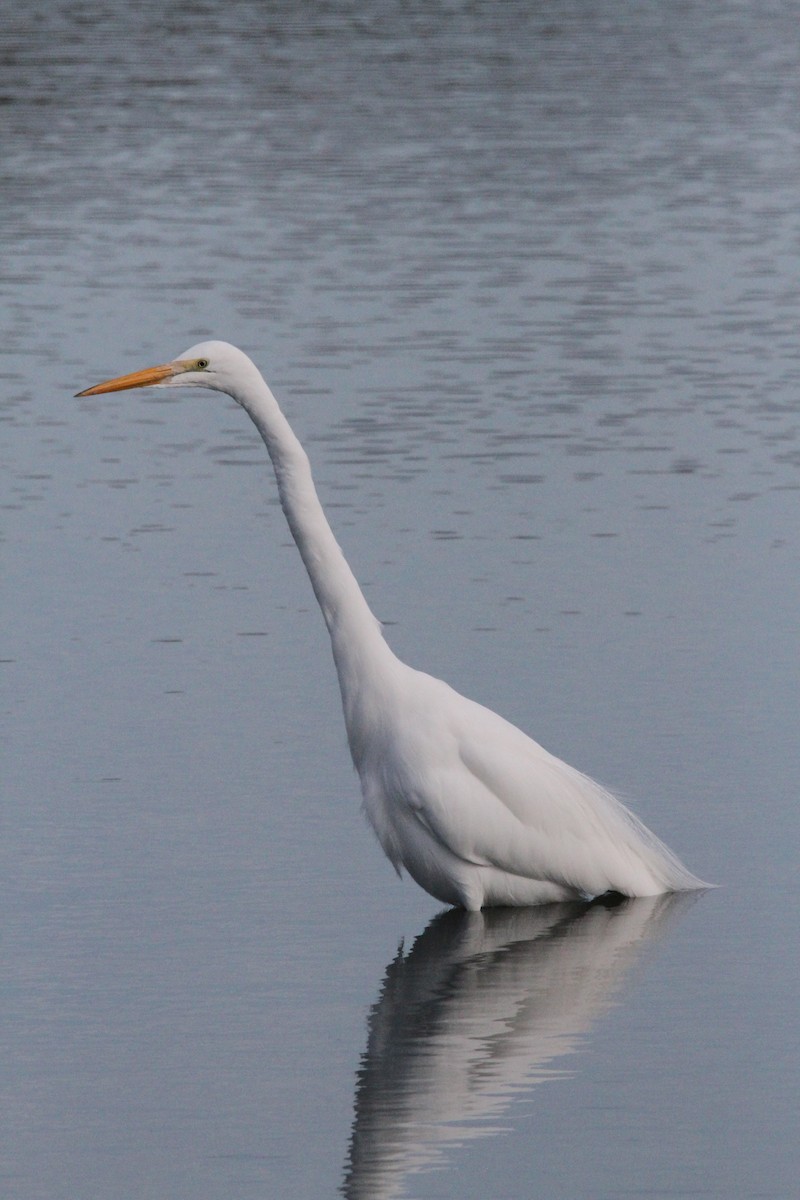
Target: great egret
476, 812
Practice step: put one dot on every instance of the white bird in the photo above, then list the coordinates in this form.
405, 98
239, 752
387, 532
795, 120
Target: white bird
473, 809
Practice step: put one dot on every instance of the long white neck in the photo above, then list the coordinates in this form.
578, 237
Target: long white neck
359, 650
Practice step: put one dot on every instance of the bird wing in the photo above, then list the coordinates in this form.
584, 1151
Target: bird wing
495, 797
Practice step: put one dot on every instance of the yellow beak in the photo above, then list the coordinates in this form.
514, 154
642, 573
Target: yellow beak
145, 378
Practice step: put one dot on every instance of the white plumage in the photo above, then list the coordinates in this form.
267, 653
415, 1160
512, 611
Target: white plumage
473, 809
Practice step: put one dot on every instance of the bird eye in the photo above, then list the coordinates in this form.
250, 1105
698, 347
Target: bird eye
201, 364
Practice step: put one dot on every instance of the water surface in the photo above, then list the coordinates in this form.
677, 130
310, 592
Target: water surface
526, 281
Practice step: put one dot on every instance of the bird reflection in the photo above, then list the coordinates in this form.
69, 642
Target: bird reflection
476, 1014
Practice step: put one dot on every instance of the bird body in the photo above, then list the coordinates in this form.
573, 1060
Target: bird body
475, 810
480, 814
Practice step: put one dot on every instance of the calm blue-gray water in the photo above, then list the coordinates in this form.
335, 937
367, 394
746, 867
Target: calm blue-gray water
526, 279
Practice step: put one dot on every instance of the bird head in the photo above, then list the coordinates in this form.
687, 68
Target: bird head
215, 365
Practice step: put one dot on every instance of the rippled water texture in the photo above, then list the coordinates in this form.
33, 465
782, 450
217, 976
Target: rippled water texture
526, 280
